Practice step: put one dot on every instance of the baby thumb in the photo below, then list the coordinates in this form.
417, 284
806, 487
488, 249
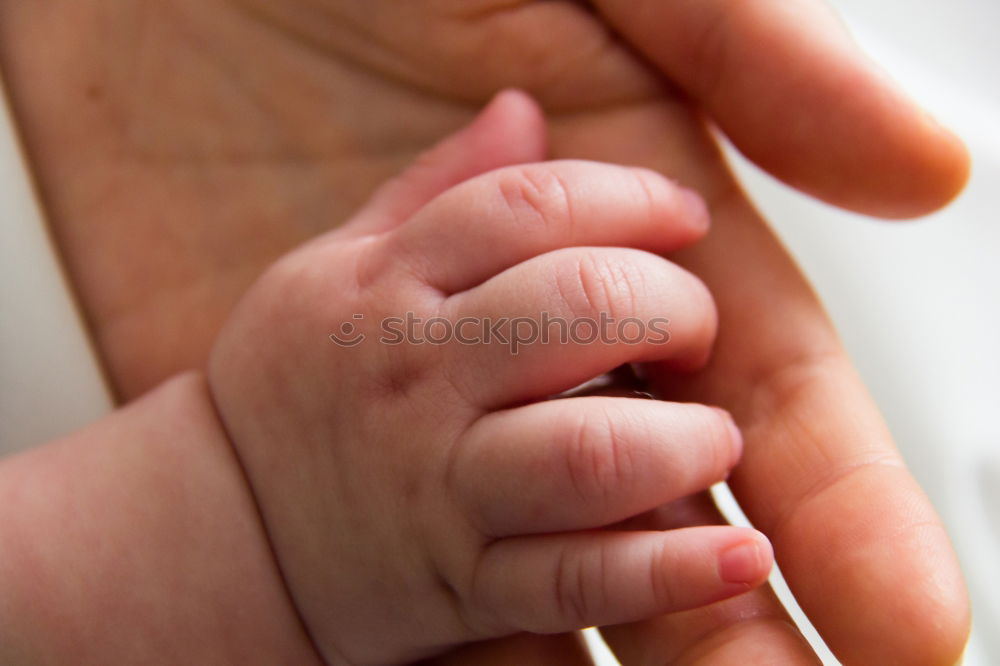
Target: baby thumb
510, 130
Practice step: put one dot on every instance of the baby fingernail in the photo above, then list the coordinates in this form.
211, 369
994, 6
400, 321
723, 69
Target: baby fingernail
735, 433
695, 208
744, 562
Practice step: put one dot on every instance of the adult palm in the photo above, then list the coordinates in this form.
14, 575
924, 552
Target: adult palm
182, 145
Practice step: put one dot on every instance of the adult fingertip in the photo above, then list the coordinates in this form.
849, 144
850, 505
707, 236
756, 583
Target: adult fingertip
935, 609
938, 178
878, 154
893, 159
930, 162
916, 167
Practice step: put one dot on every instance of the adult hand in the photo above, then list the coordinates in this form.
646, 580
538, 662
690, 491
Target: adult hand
181, 145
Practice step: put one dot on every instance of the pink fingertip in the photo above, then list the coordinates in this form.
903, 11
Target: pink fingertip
736, 436
695, 210
747, 562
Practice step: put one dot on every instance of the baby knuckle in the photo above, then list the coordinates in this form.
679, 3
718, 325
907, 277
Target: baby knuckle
574, 595
294, 288
602, 283
536, 195
661, 565
373, 261
648, 186
480, 608
599, 458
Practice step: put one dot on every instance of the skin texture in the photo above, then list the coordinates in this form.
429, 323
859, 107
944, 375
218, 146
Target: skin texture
182, 146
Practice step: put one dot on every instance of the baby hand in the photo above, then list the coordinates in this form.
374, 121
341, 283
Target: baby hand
418, 488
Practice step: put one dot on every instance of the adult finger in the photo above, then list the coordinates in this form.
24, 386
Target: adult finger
786, 83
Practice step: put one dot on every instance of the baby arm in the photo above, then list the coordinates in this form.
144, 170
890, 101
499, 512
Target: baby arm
137, 540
